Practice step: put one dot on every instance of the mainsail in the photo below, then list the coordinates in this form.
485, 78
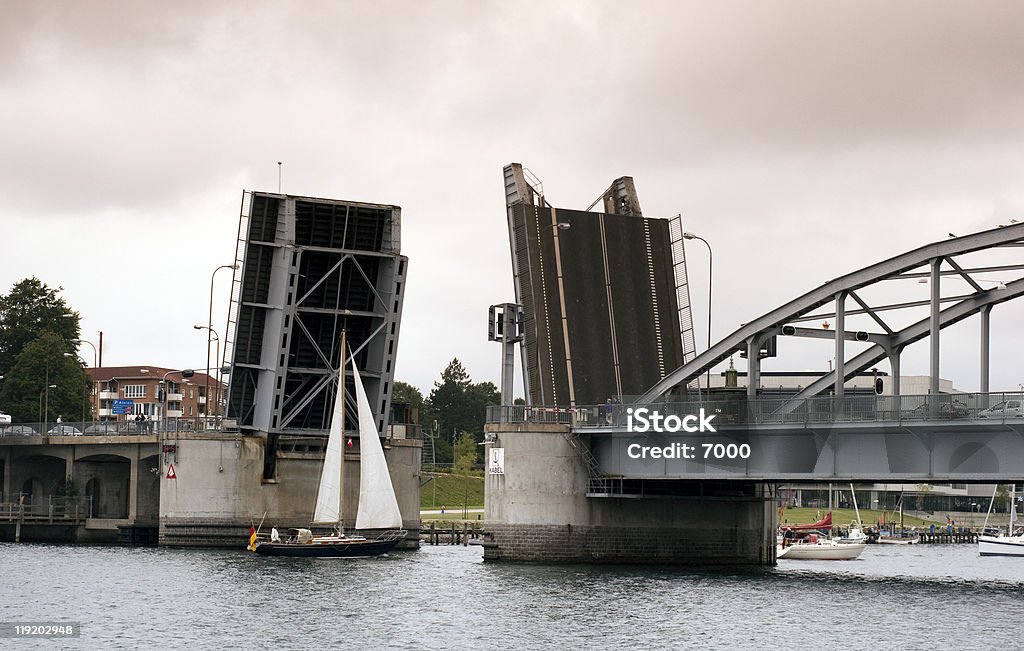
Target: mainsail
328, 496
378, 507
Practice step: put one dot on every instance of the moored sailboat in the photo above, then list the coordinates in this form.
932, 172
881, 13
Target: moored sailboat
998, 544
377, 510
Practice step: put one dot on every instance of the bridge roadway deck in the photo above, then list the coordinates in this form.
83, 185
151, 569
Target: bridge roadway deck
932, 438
969, 450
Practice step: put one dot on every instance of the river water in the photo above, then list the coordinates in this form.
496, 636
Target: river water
893, 597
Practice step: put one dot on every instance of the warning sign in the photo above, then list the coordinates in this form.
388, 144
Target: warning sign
170, 472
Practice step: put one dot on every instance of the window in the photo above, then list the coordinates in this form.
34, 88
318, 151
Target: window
135, 391
191, 394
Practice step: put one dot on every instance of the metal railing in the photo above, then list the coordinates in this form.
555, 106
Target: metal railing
108, 428
22, 507
738, 410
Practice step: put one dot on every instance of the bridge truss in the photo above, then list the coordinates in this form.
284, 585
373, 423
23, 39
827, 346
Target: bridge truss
836, 300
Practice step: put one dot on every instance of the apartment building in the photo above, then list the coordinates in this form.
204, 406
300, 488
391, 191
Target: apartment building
122, 393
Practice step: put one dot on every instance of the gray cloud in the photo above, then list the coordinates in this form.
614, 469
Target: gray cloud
839, 133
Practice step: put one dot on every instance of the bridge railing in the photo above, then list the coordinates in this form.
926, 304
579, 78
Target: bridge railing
101, 428
738, 410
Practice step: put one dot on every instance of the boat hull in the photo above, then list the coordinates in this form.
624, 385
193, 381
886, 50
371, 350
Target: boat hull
328, 548
1001, 546
821, 552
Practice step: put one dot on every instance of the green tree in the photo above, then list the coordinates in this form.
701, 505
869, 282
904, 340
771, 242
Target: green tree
458, 406
447, 402
465, 453
44, 382
26, 312
1003, 498
407, 393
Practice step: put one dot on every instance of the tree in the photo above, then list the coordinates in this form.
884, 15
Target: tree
465, 453
458, 406
42, 373
448, 402
1003, 497
30, 309
407, 393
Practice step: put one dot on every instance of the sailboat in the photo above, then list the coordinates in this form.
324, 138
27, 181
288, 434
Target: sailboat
377, 510
1000, 545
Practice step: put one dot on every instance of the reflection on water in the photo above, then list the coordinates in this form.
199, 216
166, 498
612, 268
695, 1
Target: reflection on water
909, 597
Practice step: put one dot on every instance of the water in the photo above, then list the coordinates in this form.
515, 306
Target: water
893, 597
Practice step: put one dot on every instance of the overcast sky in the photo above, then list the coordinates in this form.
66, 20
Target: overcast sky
804, 140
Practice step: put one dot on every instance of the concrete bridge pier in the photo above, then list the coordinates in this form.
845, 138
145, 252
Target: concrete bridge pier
545, 507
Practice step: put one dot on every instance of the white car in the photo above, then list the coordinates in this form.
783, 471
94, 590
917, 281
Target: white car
1004, 409
65, 430
5, 419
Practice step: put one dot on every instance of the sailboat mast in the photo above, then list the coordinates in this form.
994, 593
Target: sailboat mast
341, 466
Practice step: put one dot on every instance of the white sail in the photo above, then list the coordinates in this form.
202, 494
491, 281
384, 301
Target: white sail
328, 496
378, 508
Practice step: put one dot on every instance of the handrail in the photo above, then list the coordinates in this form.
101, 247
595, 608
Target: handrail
736, 409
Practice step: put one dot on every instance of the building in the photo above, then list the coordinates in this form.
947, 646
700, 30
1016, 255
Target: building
162, 395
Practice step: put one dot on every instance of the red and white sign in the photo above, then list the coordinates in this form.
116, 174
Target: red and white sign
170, 472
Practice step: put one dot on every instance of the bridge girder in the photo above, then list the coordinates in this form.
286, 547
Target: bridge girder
750, 336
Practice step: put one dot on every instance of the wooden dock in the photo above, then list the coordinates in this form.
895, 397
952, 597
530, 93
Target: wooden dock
452, 534
945, 537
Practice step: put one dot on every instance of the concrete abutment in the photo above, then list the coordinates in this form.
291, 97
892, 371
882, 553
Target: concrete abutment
538, 510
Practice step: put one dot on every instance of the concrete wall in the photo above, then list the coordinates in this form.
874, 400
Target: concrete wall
538, 510
106, 468
219, 488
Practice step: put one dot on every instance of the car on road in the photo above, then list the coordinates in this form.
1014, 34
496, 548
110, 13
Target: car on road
951, 409
18, 430
102, 429
5, 419
65, 430
1004, 409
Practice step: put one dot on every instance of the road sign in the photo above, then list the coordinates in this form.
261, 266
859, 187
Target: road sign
170, 472
496, 461
123, 406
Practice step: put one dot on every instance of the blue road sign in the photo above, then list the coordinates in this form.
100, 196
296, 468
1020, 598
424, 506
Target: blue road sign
123, 406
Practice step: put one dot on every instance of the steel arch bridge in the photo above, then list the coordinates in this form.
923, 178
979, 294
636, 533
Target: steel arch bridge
931, 262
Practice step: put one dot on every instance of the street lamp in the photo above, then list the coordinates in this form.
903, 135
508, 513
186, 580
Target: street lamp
84, 401
45, 414
711, 260
216, 338
185, 374
209, 328
93, 346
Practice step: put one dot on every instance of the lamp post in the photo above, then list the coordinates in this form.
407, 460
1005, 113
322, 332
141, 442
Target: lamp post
185, 374
711, 261
216, 338
84, 394
45, 413
209, 328
93, 346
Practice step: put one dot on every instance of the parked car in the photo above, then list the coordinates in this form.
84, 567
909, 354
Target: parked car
19, 430
1004, 409
952, 409
5, 419
65, 430
101, 429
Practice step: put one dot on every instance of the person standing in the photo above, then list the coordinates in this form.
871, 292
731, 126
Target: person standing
607, 409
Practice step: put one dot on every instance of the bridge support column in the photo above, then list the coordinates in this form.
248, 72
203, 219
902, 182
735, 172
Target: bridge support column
840, 344
133, 484
894, 368
936, 324
539, 510
753, 366
986, 313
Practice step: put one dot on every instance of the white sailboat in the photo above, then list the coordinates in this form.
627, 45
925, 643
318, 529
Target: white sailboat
378, 507
1011, 544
